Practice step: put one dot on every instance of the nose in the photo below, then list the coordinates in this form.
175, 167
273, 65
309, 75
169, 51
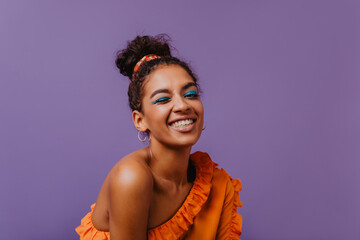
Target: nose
180, 104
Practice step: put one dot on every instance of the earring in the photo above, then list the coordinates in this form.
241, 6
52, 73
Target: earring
141, 140
144, 139
204, 127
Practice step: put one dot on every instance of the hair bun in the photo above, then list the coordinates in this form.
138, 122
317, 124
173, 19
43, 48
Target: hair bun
139, 47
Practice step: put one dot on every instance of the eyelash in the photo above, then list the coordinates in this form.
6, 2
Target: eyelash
190, 94
162, 99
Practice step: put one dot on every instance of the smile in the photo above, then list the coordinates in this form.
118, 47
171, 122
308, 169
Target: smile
182, 123
185, 125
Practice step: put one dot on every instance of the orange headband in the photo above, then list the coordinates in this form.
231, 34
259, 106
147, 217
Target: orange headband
146, 58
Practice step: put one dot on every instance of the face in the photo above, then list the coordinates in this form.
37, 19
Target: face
172, 110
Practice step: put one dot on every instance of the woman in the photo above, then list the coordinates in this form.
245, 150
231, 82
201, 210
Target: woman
162, 191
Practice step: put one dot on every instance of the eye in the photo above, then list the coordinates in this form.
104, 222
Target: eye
162, 99
191, 94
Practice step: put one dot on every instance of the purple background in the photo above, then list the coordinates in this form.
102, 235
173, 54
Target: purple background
281, 96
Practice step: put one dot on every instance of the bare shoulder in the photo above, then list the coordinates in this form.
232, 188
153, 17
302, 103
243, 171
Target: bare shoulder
125, 194
131, 172
129, 192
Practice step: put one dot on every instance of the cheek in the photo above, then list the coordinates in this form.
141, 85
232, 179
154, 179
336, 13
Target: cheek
200, 108
156, 116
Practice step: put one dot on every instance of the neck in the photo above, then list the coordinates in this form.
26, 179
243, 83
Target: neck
170, 164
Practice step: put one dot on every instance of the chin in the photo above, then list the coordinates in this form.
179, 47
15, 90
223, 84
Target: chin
179, 146
186, 142
178, 140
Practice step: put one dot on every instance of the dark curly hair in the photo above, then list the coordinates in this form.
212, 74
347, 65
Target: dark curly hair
135, 50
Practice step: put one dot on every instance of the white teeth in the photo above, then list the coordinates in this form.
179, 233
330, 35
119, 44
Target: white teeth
182, 123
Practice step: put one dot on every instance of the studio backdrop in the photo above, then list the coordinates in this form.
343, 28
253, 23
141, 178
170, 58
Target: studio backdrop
281, 93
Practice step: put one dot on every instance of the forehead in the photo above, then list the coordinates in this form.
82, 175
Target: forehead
170, 77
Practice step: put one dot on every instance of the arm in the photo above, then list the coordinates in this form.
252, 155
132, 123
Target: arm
130, 192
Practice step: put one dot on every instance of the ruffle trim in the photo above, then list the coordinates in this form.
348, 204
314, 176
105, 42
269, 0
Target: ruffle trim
236, 222
199, 193
87, 231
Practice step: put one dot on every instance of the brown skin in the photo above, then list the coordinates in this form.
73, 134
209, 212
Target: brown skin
146, 188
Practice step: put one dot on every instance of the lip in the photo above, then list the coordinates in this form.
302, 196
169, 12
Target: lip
183, 118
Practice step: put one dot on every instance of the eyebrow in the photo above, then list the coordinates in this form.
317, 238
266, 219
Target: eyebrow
164, 90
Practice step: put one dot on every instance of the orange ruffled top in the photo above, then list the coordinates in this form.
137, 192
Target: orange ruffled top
209, 211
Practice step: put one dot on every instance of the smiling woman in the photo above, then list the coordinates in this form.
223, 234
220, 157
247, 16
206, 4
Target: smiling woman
163, 191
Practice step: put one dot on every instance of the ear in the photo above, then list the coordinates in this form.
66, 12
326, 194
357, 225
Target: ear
139, 121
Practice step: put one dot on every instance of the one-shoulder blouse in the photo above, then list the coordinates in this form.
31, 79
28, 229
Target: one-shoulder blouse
208, 212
